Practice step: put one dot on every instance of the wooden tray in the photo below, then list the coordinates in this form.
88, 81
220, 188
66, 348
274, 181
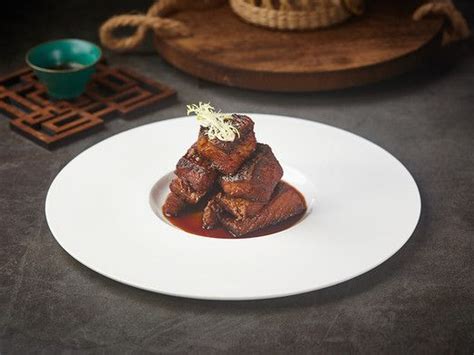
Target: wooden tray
383, 43
113, 92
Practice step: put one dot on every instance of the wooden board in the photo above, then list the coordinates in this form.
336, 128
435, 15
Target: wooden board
380, 44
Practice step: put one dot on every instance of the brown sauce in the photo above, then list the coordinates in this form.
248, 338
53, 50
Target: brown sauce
191, 221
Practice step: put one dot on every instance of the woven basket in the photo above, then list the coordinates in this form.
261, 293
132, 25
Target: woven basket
296, 14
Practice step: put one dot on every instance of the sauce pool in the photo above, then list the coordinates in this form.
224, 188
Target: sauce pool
191, 222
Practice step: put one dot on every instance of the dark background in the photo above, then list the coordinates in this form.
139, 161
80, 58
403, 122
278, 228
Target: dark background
421, 300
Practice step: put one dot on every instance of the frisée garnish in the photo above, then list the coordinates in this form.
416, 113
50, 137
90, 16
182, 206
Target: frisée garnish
219, 125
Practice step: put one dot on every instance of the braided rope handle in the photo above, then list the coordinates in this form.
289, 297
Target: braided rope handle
153, 20
457, 27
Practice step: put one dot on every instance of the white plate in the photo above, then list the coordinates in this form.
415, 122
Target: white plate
363, 206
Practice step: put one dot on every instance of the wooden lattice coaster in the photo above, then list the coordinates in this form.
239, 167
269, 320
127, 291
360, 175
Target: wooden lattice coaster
113, 92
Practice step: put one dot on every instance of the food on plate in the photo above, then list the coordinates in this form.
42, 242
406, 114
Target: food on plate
185, 192
210, 215
231, 179
173, 205
240, 208
227, 156
197, 171
285, 203
256, 177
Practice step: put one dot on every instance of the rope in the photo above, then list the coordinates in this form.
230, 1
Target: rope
153, 20
457, 27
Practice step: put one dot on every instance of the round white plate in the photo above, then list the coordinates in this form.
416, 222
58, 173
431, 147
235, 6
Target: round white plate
363, 205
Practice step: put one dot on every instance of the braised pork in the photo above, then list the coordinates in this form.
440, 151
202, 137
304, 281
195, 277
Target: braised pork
228, 156
185, 192
210, 216
285, 203
173, 205
238, 207
240, 180
195, 170
256, 178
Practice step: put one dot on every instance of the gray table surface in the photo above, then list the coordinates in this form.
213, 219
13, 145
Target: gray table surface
420, 300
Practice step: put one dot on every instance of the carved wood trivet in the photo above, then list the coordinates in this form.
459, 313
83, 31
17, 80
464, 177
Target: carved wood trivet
114, 91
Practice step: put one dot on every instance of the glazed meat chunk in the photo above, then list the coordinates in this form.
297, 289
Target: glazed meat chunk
285, 203
195, 170
239, 207
227, 157
173, 205
210, 216
256, 178
182, 189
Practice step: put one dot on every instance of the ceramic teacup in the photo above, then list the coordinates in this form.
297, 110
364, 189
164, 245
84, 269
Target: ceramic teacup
64, 66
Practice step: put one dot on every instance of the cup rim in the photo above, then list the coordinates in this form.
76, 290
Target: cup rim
48, 70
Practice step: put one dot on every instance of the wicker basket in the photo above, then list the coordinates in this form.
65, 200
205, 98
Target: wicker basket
296, 14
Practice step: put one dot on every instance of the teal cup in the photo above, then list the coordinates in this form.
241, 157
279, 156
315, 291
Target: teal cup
64, 66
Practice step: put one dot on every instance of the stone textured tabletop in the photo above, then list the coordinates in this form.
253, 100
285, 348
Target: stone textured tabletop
420, 300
